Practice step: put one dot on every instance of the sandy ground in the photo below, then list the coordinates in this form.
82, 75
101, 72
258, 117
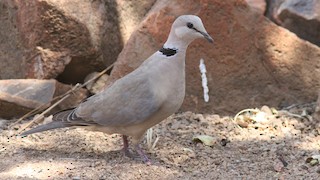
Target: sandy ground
272, 146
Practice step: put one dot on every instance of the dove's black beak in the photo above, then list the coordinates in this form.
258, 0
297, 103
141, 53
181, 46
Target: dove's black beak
207, 37
205, 34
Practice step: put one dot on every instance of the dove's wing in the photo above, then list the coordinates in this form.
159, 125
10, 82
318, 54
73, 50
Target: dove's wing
130, 100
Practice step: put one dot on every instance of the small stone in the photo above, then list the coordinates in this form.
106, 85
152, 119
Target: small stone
266, 110
304, 167
242, 124
204, 124
224, 142
97, 85
314, 162
278, 167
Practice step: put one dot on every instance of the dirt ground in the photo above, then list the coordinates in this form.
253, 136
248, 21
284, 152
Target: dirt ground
268, 145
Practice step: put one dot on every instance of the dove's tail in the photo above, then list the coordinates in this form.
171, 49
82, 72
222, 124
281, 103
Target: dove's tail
60, 119
45, 127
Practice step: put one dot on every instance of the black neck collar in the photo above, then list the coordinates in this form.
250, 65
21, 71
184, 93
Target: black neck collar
168, 51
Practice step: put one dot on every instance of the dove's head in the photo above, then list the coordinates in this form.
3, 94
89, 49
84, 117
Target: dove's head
187, 28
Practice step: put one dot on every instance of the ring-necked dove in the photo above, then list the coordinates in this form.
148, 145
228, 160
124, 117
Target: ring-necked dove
144, 97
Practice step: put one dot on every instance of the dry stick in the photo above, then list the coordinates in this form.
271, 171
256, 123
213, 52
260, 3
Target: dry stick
238, 114
39, 108
63, 96
32, 112
42, 107
41, 116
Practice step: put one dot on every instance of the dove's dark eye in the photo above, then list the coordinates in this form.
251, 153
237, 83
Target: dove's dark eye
190, 25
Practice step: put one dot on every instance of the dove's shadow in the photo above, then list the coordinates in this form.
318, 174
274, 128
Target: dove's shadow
109, 156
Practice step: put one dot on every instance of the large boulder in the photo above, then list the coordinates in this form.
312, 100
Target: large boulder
61, 39
253, 61
19, 96
38, 27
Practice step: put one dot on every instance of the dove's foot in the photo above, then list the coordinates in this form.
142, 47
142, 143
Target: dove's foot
127, 152
142, 155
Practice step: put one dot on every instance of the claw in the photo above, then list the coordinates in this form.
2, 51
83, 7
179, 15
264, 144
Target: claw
137, 148
142, 155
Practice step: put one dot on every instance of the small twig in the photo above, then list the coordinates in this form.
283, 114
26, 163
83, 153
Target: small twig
302, 105
149, 138
61, 97
155, 143
243, 111
41, 116
238, 114
283, 161
32, 112
151, 145
282, 112
281, 158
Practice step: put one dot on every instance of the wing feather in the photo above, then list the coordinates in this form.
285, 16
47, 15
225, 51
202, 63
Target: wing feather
130, 100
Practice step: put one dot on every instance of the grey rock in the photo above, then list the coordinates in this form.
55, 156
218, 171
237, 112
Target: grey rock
19, 96
301, 17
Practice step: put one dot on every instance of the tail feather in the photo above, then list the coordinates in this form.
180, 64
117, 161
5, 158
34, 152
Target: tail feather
45, 127
62, 115
65, 118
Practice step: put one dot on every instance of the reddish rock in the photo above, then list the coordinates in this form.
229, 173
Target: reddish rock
44, 39
48, 64
35, 25
130, 14
258, 5
19, 96
253, 62
11, 48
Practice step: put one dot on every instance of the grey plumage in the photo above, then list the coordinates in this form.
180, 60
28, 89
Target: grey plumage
144, 97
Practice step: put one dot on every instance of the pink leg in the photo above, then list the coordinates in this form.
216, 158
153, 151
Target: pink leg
126, 146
